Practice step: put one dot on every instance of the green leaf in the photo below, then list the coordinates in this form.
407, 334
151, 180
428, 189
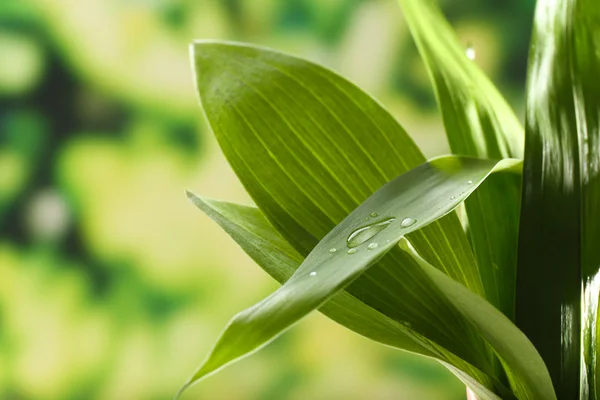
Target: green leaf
409, 202
478, 123
257, 237
529, 376
309, 147
559, 256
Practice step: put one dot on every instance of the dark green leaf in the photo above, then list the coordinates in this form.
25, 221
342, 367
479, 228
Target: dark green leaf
559, 255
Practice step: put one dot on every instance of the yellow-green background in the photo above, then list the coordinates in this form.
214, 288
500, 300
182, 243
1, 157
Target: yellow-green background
112, 286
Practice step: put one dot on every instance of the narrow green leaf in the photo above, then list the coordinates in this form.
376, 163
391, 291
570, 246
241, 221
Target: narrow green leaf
478, 123
530, 377
559, 255
409, 202
257, 237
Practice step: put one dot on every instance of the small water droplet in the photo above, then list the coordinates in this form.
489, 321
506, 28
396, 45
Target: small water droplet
313, 273
407, 324
470, 52
351, 251
373, 215
332, 250
406, 222
387, 241
367, 218
372, 246
365, 233
470, 182
452, 197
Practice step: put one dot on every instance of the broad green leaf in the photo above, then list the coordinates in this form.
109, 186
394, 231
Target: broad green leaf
405, 204
478, 123
559, 252
257, 237
310, 147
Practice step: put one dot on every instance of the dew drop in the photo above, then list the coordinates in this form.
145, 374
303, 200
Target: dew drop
452, 197
407, 324
470, 182
313, 273
373, 214
470, 52
352, 250
365, 233
332, 250
406, 222
372, 246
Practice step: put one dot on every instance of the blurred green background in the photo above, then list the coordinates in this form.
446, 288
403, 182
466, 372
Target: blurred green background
112, 286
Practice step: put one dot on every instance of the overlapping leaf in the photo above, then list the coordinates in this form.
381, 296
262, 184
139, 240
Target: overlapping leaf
427, 193
478, 123
310, 147
249, 228
559, 255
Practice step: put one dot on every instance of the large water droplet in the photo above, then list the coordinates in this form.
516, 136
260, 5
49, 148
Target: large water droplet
373, 215
406, 222
470, 52
313, 273
351, 251
365, 233
332, 250
372, 246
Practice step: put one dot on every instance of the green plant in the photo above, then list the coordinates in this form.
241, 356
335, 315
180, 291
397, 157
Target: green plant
338, 184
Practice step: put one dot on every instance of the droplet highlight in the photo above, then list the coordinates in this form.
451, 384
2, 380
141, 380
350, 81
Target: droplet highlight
470, 182
470, 52
372, 246
373, 214
351, 251
332, 250
406, 222
313, 273
365, 233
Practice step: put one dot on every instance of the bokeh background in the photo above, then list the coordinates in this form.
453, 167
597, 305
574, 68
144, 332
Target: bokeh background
112, 286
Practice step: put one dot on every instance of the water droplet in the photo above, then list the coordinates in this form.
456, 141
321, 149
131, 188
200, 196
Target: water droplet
407, 324
470, 182
372, 246
332, 250
313, 273
406, 222
470, 52
373, 215
367, 218
351, 251
387, 241
452, 197
365, 233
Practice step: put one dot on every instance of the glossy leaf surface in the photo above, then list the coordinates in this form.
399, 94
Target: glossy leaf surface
560, 220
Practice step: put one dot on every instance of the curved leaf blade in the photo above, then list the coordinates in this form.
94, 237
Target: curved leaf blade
479, 123
257, 237
419, 196
529, 376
